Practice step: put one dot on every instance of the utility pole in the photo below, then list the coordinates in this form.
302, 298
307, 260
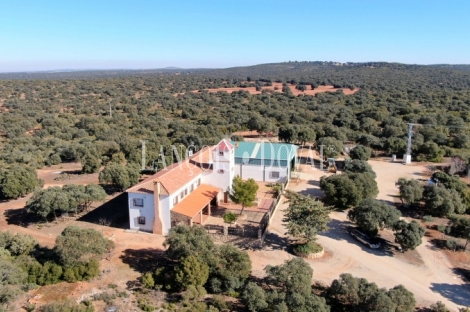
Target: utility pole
407, 156
143, 153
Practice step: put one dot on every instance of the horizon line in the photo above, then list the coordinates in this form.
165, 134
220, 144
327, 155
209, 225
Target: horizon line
169, 68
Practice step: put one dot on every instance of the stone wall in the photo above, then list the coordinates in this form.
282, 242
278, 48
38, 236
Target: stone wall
179, 219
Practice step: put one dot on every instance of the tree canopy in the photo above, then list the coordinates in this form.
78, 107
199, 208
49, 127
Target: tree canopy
411, 191
305, 217
371, 215
243, 192
408, 235
347, 190
360, 152
18, 181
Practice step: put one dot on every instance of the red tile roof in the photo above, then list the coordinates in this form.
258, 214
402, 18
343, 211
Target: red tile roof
196, 200
203, 156
224, 145
172, 178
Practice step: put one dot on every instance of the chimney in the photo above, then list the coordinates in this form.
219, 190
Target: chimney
157, 207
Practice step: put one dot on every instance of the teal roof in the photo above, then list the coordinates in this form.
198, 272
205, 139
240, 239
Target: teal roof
265, 150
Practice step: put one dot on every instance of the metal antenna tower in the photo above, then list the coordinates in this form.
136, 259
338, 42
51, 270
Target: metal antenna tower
143, 153
407, 156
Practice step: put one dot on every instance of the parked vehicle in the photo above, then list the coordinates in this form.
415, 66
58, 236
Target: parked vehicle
365, 239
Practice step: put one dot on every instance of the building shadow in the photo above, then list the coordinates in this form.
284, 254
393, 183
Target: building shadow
144, 260
458, 294
113, 213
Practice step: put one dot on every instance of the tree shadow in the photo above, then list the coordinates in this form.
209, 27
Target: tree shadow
464, 273
340, 230
144, 260
458, 294
113, 213
437, 243
21, 217
313, 192
273, 241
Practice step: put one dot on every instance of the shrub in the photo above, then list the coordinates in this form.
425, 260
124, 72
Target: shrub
308, 248
144, 305
360, 152
66, 306
105, 297
82, 272
230, 217
191, 271
76, 245
452, 244
147, 280
428, 219
219, 302
194, 293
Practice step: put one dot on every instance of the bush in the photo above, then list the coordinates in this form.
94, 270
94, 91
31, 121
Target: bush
452, 244
428, 219
77, 246
439, 307
82, 272
219, 302
360, 152
147, 280
308, 248
230, 217
21, 244
144, 305
105, 297
66, 306
191, 271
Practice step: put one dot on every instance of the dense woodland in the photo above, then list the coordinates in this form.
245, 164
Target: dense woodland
49, 121
100, 118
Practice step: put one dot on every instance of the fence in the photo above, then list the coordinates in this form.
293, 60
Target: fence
268, 216
247, 235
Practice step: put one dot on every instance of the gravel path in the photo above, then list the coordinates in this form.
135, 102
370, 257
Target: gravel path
431, 281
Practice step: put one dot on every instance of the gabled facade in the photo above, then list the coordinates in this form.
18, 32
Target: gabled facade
184, 192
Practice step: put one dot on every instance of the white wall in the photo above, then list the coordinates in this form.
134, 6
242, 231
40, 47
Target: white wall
259, 173
145, 211
166, 220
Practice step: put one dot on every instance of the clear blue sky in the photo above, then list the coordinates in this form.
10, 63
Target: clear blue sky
67, 34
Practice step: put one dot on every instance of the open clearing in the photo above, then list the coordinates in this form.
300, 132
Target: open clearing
252, 90
426, 272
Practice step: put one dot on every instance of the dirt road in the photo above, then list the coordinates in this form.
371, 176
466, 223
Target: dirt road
431, 281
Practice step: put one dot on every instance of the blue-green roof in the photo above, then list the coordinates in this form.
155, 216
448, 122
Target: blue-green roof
276, 152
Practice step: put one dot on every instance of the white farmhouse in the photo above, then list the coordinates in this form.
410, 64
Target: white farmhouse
184, 192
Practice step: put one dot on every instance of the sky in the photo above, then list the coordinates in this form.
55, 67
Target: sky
55, 35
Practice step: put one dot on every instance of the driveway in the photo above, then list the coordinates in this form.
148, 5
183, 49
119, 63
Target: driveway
432, 280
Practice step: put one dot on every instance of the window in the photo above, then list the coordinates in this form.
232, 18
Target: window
192, 187
141, 220
199, 181
220, 171
221, 153
275, 175
185, 192
138, 202
182, 194
175, 200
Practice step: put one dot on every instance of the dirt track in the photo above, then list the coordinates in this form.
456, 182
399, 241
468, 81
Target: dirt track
432, 281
